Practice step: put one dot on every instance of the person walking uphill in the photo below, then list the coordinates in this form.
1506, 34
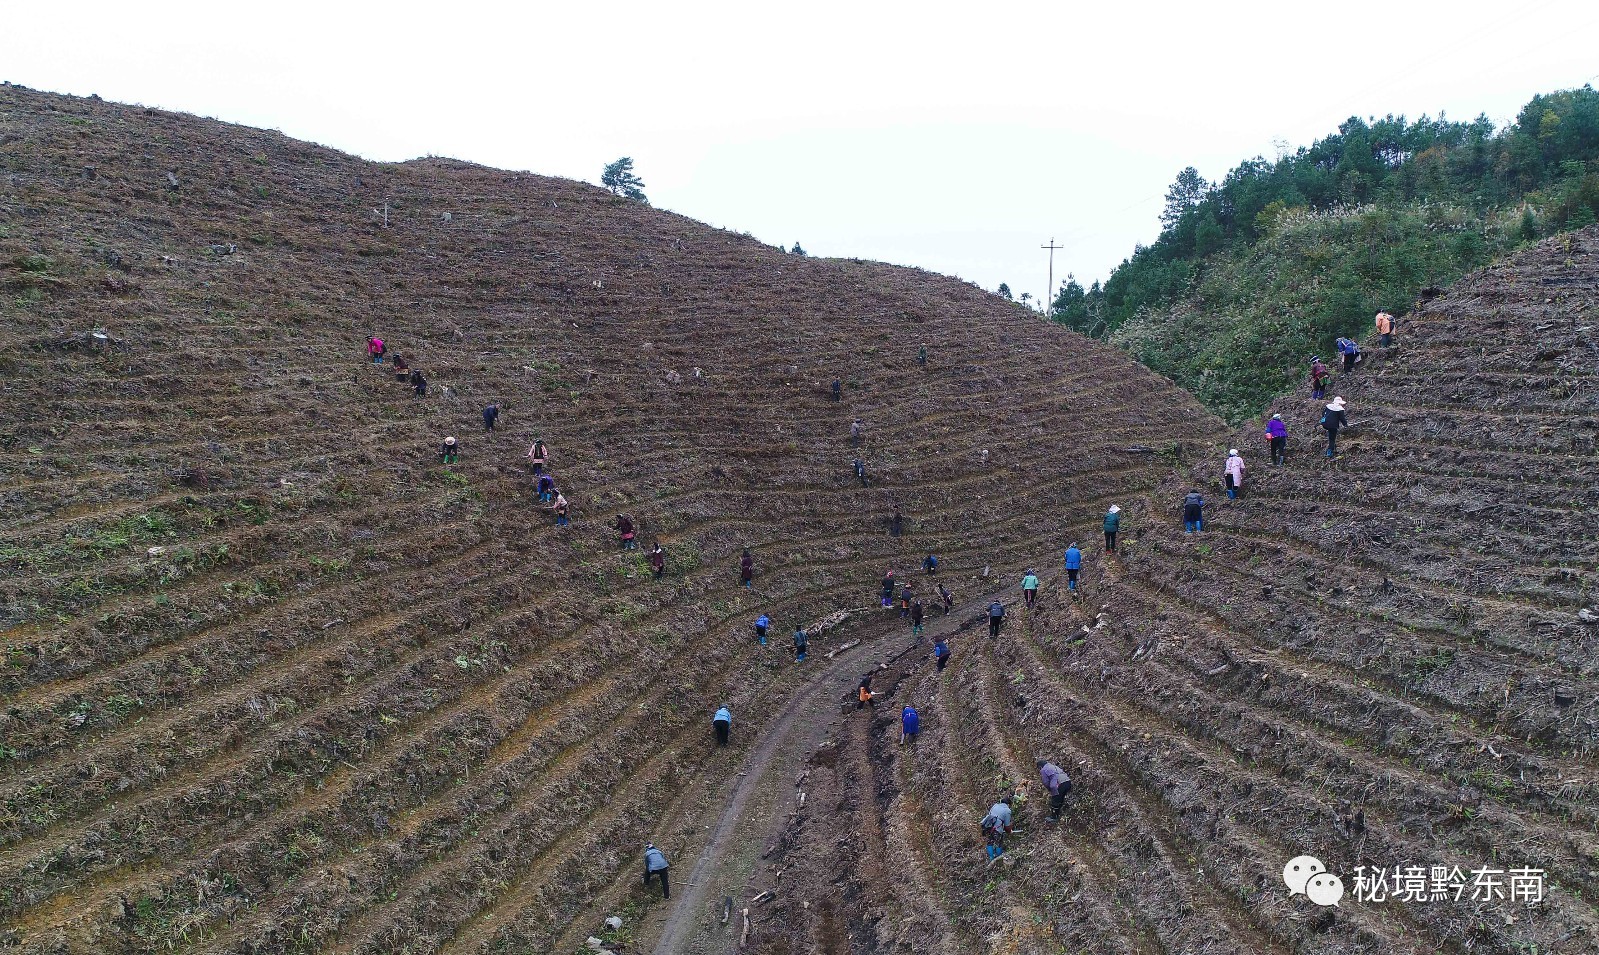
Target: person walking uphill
449, 451
761, 624
916, 618
1058, 783
1351, 353
860, 471
1332, 419
1385, 329
655, 865
996, 617
1193, 513
1030, 588
491, 414
996, 825
1113, 524
1318, 377
1234, 471
722, 722
746, 569
1074, 566
1277, 435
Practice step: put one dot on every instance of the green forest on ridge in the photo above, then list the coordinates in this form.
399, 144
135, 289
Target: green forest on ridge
1253, 274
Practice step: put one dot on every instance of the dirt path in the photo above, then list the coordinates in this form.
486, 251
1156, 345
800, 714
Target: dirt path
763, 792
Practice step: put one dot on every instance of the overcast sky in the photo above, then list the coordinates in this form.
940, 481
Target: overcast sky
955, 137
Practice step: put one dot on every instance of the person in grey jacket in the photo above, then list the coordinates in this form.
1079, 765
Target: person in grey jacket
655, 864
1056, 781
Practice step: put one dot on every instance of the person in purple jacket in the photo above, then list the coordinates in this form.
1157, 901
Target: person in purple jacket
1277, 434
1058, 783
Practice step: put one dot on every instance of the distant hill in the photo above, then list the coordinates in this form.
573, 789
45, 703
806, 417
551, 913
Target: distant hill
1253, 274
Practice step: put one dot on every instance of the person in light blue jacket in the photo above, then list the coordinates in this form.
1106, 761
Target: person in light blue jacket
723, 722
655, 864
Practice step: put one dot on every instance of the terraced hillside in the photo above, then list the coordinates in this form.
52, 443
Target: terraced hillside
275, 679
1384, 660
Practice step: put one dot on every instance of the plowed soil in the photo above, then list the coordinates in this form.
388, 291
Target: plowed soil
1379, 660
276, 679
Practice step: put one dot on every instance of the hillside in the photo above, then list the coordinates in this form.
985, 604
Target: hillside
275, 679
1254, 273
1387, 660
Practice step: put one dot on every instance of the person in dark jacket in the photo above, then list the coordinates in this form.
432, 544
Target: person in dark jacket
402, 369
655, 865
746, 569
1113, 523
802, 642
419, 384
1193, 513
449, 451
947, 597
941, 654
539, 455
491, 414
722, 722
546, 487
916, 618
888, 589
896, 524
863, 693
1058, 783
860, 471
624, 529
1277, 434
996, 618
658, 560
905, 598
1332, 419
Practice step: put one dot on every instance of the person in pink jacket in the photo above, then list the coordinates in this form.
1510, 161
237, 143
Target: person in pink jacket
376, 349
1235, 473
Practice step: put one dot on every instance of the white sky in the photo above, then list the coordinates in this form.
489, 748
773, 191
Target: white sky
956, 137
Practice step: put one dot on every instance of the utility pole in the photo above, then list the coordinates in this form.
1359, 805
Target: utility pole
1050, 308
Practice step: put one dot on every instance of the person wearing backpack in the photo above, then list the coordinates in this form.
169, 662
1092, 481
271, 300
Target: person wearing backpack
1332, 419
1351, 353
996, 617
1385, 329
1058, 783
1318, 377
996, 826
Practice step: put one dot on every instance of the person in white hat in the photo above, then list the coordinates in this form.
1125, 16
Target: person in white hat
449, 451
1235, 473
1113, 523
1333, 418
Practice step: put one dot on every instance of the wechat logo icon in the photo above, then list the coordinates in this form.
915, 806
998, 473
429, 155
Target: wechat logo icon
1305, 875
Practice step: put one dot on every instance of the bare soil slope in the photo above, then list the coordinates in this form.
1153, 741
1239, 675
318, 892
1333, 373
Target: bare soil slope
272, 678
1380, 661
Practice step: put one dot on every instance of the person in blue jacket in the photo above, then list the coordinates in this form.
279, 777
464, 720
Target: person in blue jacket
1074, 565
723, 724
761, 624
1193, 512
909, 724
655, 865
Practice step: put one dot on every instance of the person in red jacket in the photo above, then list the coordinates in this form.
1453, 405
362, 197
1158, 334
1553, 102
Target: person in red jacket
746, 569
